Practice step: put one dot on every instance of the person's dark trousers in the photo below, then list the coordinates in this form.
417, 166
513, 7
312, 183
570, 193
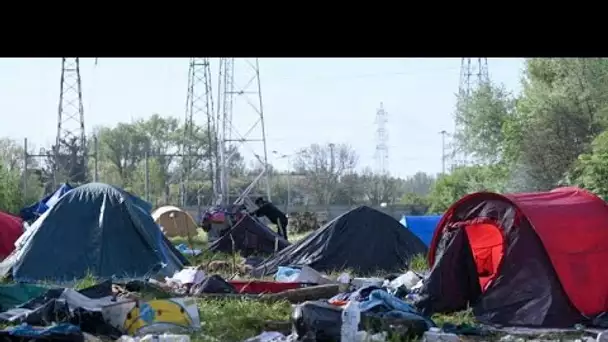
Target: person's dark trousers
282, 225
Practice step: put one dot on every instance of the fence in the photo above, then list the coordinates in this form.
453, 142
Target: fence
45, 170
159, 178
155, 177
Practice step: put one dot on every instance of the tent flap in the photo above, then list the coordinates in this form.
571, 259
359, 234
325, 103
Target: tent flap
452, 283
34, 211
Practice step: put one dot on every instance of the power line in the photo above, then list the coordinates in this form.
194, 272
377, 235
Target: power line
349, 77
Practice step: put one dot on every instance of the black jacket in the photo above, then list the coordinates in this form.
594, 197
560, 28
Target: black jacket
272, 213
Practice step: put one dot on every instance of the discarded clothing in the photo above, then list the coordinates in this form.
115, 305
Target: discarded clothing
213, 284
14, 295
384, 304
65, 306
60, 332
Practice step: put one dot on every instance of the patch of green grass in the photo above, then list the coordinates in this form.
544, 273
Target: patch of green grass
236, 320
198, 241
88, 281
456, 318
418, 263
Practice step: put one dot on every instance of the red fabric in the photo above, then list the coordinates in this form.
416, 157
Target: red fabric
255, 287
572, 225
11, 228
487, 245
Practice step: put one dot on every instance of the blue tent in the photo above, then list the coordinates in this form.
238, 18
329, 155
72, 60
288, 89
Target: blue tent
34, 211
94, 229
422, 226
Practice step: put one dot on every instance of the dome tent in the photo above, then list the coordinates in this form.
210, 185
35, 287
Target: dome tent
94, 229
363, 240
174, 221
525, 259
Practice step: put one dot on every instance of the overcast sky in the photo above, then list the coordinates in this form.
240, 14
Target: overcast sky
304, 100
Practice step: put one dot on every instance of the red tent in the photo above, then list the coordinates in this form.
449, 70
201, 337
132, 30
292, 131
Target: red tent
521, 259
11, 228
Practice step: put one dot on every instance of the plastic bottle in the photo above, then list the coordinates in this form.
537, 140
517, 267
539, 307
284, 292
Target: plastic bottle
351, 316
436, 335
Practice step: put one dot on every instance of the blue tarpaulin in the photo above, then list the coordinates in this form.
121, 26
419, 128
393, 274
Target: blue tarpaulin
422, 226
34, 211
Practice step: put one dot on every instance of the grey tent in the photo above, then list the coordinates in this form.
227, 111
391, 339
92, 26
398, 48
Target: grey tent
363, 240
94, 229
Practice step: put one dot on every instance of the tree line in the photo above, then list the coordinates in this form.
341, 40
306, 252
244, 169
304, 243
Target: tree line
120, 155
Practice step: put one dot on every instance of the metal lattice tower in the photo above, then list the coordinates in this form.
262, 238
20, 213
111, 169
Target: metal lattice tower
224, 118
199, 108
240, 101
473, 74
70, 153
381, 155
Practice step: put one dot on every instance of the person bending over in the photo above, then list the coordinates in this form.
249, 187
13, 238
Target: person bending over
273, 214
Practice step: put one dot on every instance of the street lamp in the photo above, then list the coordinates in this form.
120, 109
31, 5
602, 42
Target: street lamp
286, 156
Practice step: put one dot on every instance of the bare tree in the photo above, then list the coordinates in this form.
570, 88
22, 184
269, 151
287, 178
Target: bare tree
323, 166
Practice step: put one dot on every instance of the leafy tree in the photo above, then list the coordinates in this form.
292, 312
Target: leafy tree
591, 169
485, 116
418, 204
420, 183
462, 181
10, 195
563, 107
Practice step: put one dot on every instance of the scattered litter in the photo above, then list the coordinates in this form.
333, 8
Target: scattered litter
187, 276
268, 336
358, 283
436, 335
177, 315
184, 249
409, 280
364, 336
302, 274
155, 338
351, 317
344, 278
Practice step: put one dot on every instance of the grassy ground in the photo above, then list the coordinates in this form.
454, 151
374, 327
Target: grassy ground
236, 320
